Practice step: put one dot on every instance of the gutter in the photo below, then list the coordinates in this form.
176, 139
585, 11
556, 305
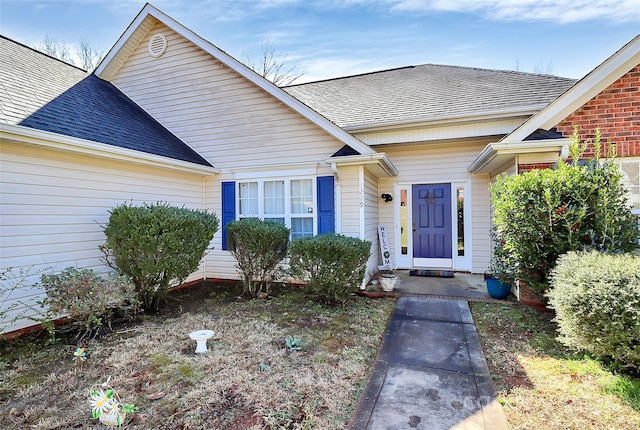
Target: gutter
447, 119
47, 139
379, 159
492, 152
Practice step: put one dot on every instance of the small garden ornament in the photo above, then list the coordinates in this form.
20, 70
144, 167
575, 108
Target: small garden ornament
201, 337
107, 407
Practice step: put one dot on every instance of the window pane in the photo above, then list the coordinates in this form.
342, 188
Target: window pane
460, 208
274, 197
301, 227
248, 198
278, 220
631, 181
404, 239
302, 196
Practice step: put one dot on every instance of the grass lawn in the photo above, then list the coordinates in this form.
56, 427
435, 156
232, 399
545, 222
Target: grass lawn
542, 385
249, 379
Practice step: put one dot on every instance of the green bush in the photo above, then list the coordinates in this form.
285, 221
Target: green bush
157, 245
542, 214
596, 297
332, 265
259, 248
87, 299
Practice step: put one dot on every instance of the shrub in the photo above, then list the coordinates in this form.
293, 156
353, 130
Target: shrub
332, 265
258, 247
89, 300
542, 214
12, 280
596, 297
157, 245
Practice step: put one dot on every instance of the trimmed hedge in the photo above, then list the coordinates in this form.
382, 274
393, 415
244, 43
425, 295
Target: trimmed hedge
157, 245
332, 265
596, 297
259, 248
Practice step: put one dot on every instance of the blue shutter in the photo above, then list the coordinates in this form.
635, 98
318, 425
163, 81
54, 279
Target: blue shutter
228, 208
326, 210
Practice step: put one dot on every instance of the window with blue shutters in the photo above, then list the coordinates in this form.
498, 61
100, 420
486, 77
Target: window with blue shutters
304, 208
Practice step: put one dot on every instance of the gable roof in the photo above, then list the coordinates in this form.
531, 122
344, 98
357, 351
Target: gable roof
43, 93
610, 70
427, 92
149, 16
522, 139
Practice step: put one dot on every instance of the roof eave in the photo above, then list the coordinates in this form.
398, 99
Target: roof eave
379, 163
237, 66
31, 136
522, 111
582, 91
497, 154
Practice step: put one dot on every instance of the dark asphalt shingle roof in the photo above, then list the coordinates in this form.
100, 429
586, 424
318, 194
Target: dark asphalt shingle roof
43, 93
417, 93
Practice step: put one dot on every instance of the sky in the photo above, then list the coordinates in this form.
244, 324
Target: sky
324, 39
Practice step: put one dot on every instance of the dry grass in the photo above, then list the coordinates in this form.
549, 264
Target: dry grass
541, 385
249, 379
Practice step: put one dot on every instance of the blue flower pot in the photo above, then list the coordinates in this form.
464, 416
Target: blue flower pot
497, 289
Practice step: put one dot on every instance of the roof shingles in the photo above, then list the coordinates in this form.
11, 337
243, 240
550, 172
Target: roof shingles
418, 93
43, 93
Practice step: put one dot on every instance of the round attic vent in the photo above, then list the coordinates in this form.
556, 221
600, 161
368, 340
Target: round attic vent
157, 45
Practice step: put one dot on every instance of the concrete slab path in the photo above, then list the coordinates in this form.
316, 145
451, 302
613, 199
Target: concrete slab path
430, 373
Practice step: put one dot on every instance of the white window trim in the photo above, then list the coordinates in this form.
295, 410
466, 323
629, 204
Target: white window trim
287, 197
634, 211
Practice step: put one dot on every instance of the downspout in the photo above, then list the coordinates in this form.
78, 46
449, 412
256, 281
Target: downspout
361, 201
204, 207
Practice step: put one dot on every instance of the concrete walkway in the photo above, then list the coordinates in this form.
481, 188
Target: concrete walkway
430, 373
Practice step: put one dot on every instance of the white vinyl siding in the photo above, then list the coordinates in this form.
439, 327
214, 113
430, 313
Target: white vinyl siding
371, 201
441, 163
54, 205
224, 117
442, 131
349, 200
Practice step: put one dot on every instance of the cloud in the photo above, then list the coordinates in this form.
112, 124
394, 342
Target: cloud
560, 11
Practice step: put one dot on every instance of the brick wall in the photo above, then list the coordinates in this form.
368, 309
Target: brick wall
527, 167
615, 111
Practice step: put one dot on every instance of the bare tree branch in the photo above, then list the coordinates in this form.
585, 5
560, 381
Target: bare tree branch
89, 56
272, 66
56, 49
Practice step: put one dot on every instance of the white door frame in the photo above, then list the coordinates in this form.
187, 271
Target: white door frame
458, 262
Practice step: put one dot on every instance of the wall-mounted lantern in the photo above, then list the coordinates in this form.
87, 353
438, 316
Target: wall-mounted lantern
387, 197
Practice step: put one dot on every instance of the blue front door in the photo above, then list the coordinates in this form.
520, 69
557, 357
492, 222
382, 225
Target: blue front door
432, 225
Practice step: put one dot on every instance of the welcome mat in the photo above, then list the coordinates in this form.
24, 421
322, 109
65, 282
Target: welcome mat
432, 273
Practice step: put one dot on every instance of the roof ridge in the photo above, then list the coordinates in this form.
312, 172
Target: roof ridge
37, 51
518, 72
350, 76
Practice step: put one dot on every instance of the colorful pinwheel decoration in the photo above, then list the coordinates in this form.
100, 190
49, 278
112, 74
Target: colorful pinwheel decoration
80, 356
